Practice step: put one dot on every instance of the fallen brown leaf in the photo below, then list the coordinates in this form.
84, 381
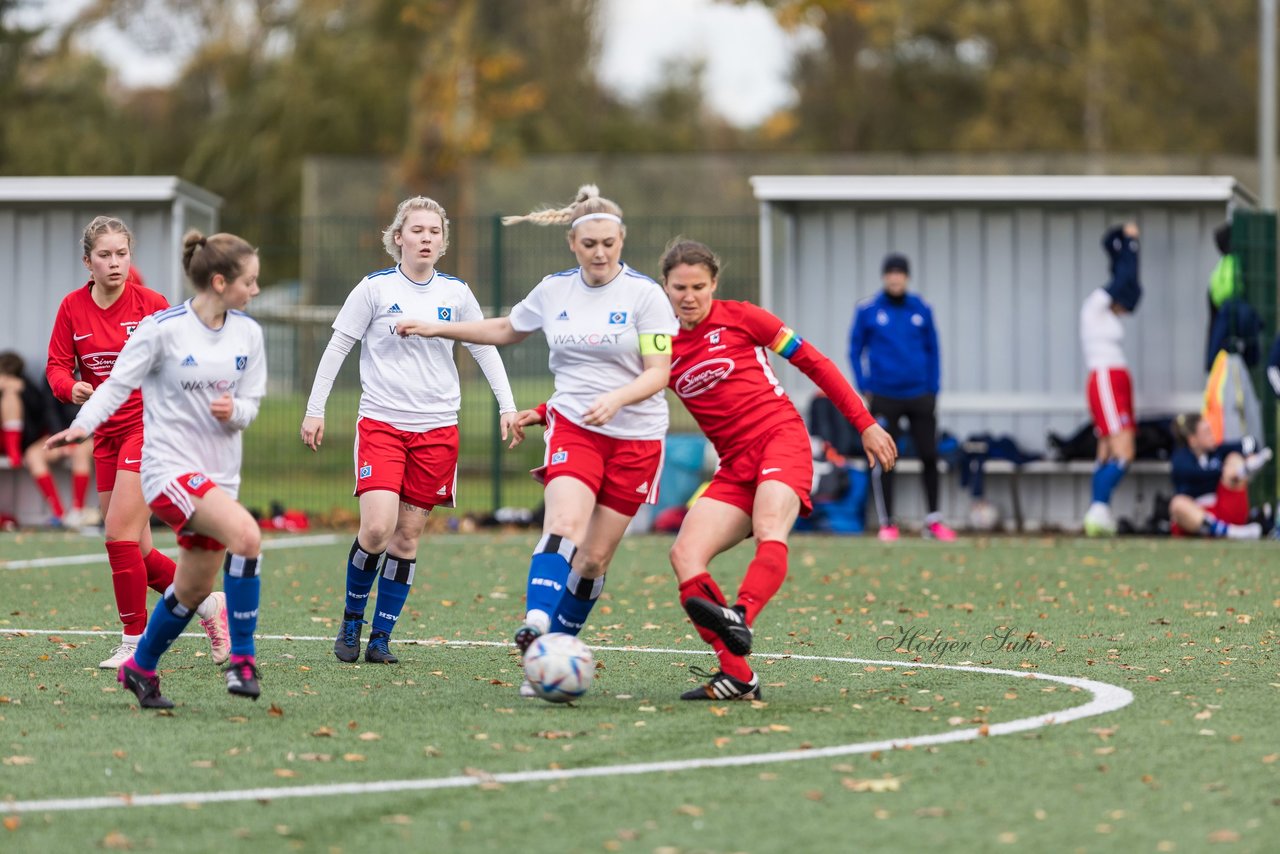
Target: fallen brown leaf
117, 841
874, 784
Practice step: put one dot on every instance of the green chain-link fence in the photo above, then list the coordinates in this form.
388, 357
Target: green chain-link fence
1253, 241
501, 264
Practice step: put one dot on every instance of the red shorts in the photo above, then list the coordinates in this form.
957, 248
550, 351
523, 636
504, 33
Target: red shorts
422, 468
116, 453
1229, 505
634, 465
175, 508
1110, 395
783, 454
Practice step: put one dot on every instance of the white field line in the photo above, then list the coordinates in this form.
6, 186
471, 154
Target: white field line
99, 557
1106, 698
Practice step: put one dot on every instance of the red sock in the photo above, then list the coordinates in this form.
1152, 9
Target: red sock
705, 586
50, 491
79, 488
129, 578
764, 576
160, 569
13, 444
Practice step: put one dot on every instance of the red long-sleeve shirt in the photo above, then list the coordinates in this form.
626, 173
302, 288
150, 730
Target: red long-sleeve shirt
721, 372
90, 338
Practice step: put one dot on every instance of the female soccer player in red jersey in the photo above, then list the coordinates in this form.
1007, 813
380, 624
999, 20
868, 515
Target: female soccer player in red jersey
608, 329
91, 328
720, 370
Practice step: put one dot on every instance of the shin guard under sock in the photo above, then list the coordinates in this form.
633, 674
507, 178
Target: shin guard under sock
393, 591
167, 622
244, 590
765, 574
129, 581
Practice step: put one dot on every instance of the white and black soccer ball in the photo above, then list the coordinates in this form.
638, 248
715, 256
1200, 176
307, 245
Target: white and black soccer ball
560, 667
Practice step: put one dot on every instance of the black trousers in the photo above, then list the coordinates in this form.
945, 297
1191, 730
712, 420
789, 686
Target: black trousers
922, 422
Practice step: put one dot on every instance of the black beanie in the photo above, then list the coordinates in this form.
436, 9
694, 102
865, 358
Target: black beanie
1222, 237
895, 261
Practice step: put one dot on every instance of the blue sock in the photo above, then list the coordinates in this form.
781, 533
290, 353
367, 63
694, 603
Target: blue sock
244, 589
577, 600
548, 572
1212, 526
167, 621
393, 590
362, 569
1105, 478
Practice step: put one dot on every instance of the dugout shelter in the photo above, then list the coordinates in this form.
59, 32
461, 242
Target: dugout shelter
1006, 262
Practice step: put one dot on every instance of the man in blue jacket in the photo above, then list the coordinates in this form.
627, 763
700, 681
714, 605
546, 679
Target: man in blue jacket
893, 348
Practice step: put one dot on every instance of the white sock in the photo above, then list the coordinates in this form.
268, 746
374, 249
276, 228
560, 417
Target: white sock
1251, 531
130, 640
1253, 462
207, 608
540, 620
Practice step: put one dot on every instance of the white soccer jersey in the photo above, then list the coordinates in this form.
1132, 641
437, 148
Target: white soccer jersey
1101, 333
412, 383
183, 366
594, 337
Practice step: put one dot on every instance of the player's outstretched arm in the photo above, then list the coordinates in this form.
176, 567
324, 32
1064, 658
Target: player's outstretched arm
494, 330
879, 447
70, 436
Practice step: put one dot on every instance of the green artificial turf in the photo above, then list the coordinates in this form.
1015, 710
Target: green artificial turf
1190, 628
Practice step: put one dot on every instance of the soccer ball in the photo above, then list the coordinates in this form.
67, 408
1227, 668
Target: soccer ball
559, 667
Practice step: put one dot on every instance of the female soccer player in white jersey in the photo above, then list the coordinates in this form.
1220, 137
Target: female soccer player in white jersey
202, 371
92, 325
1110, 387
406, 454
609, 331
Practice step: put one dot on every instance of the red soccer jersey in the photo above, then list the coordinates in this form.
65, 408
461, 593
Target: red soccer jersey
90, 338
720, 370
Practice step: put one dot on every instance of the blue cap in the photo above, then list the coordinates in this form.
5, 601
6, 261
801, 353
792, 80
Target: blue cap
895, 261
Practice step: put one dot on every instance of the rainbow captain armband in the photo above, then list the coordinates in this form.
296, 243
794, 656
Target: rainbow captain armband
786, 342
655, 344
